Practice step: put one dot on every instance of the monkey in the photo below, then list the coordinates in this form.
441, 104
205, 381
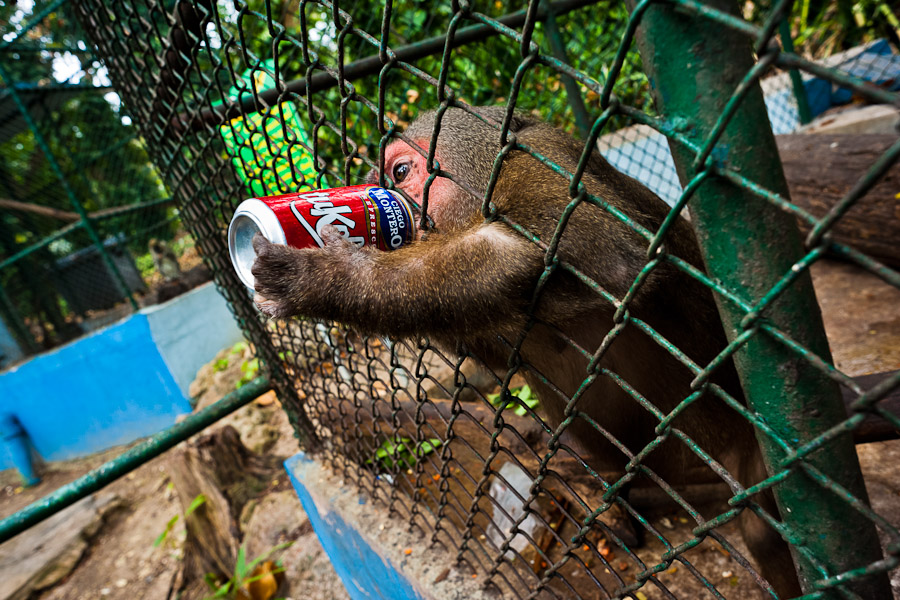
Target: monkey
469, 281
164, 259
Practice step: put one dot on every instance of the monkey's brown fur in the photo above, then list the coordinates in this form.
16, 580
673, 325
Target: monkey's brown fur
470, 281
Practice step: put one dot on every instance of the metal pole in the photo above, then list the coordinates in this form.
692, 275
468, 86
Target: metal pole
784, 31
558, 50
748, 245
129, 460
73, 200
251, 103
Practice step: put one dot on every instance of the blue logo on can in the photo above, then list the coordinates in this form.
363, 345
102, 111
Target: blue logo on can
394, 218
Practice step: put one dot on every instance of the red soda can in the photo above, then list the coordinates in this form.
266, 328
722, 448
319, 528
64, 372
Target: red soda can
367, 215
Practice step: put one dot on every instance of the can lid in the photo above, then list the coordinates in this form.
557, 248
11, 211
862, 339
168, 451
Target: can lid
251, 217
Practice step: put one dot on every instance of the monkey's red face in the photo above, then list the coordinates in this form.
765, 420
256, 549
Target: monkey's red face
406, 168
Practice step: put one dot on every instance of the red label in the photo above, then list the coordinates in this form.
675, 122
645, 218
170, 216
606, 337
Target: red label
364, 214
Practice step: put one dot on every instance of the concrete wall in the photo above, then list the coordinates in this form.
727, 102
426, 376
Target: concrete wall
359, 561
10, 351
119, 383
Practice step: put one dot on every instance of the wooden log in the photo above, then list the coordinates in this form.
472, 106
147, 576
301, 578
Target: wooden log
822, 168
221, 469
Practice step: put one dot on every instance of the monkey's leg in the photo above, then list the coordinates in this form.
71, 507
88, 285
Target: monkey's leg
771, 553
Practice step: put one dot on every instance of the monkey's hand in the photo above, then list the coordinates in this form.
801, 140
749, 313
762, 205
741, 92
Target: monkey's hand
283, 275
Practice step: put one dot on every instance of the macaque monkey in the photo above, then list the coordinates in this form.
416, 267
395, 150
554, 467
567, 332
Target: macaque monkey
471, 281
164, 259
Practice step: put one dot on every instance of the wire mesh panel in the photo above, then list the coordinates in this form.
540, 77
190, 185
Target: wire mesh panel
81, 202
605, 443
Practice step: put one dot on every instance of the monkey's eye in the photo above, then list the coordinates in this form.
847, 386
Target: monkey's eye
401, 170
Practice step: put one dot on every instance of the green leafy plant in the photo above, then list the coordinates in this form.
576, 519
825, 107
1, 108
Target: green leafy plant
145, 265
249, 372
243, 574
195, 504
402, 451
525, 396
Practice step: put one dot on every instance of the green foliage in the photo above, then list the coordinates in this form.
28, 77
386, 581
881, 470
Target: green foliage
196, 503
821, 28
402, 452
249, 372
519, 397
145, 265
243, 573
97, 149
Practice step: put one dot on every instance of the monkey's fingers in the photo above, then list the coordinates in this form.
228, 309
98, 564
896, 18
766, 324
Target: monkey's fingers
277, 277
269, 308
260, 243
333, 239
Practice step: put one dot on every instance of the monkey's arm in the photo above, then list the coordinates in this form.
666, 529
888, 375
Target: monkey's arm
461, 283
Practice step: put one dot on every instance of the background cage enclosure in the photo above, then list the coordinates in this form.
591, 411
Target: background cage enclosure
236, 100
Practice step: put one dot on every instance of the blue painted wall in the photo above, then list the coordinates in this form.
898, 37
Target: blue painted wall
108, 388
119, 383
190, 330
365, 574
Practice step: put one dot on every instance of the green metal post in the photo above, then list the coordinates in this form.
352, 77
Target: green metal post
787, 42
73, 200
558, 49
748, 245
129, 460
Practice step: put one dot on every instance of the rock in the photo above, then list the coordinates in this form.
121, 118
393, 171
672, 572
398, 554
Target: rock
271, 522
876, 118
46, 553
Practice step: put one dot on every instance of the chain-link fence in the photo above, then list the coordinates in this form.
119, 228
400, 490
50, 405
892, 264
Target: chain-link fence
80, 202
606, 446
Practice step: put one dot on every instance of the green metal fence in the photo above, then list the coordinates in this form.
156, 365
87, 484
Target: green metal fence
79, 199
236, 99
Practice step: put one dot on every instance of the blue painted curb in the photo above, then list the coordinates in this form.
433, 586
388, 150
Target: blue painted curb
365, 574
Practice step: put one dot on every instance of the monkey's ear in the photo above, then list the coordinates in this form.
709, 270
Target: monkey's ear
520, 120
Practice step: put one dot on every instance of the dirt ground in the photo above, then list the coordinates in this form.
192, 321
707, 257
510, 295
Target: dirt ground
116, 557
119, 560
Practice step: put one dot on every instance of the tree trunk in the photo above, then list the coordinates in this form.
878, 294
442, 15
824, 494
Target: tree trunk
227, 474
822, 168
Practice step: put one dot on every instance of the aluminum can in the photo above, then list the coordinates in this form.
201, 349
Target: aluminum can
367, 215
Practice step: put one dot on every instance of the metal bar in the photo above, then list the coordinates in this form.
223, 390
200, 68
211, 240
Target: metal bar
79, 208
129, 460
558, 50
101, 215
32, 23
749, 245
58, 87
40, 244
47, 48
251, 103
787, 42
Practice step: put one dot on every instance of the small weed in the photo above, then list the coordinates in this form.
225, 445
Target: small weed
402, 450
195, 504
249, 372
243, 575
524, 396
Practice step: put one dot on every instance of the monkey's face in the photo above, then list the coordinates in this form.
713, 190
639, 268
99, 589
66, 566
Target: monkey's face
450, 207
